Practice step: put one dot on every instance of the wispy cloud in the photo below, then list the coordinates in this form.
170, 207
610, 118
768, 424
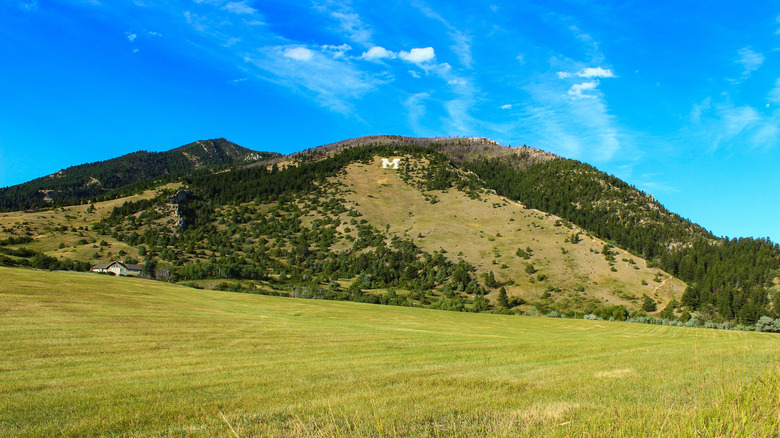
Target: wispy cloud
774, 95
749, 60
29, 6
416, 111
722, 124
239, 8
196, 21
350, 24
591, 45
571, 123
334, 83
461, 41
336, 51
131, 37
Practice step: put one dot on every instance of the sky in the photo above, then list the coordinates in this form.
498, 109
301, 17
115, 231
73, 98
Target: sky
678, 98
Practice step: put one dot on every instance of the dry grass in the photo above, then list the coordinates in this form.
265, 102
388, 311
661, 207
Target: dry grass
87, 355
41, 226
492, 229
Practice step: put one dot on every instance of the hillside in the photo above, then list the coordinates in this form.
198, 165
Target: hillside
463, 224
123, 175
506, 240
88, 355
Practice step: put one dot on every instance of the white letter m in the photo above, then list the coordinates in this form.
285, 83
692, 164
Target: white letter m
387, 163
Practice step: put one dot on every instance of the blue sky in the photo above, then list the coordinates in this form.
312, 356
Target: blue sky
677, 98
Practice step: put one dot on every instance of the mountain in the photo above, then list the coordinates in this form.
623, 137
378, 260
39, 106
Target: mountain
462, 224
123, 175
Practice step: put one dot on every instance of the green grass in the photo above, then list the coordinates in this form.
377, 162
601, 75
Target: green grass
84, 354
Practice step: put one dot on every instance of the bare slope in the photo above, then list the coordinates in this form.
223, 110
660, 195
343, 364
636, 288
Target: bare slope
488, 232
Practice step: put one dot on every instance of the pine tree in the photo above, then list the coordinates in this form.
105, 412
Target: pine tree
503, 299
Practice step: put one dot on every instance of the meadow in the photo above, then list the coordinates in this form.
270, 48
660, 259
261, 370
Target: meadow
92, 355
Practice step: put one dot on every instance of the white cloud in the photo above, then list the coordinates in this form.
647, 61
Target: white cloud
377, 53
131, 37
418, 55
589, 73
299, 53
576, 90
749, 60
239, 8
506, 107
237, 81
596, 72
520, 58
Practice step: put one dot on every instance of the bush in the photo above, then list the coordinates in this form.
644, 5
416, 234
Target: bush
767, 324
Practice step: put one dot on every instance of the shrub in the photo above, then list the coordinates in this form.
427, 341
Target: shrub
767, 324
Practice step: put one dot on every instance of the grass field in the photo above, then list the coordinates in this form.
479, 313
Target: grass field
85, 354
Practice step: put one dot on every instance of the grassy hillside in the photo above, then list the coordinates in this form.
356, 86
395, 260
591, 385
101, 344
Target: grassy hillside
461, 219
67, 231
84, 354
489, 231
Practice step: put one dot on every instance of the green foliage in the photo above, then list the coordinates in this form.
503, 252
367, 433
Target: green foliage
124, 175
503, 298
648, 305
729, 275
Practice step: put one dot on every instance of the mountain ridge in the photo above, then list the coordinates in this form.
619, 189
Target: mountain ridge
304, 192
123, 175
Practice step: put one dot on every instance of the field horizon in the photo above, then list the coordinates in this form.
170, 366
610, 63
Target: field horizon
89, 355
